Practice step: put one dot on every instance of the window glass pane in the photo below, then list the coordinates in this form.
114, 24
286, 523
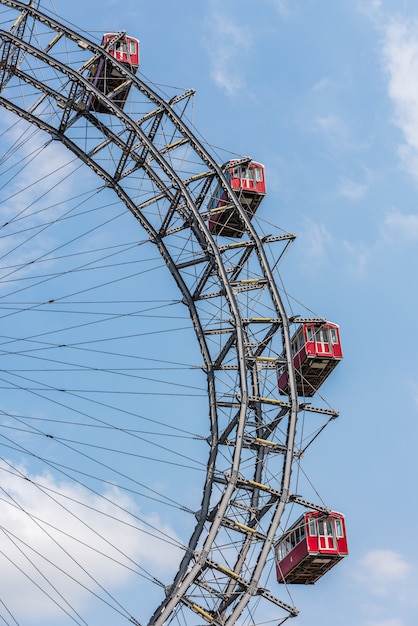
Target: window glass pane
312, 527
132, 47
333, 335
325, 527
258, 174
287, 545
299, 534
248, 173
309, 333
339, 528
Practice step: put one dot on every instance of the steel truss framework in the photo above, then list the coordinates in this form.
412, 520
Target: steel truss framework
165, 177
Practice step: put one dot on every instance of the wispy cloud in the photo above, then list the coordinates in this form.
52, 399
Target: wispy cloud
56, 531
380, 569
36, 180
370, 8
352, 189
399, 226
386, 588
358, 257
231, 32
321, 84
400, 56
333, 127
330, 123
281, 6
316, 241
227, 44
397, 229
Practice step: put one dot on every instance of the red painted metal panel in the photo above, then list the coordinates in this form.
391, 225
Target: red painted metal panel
293, 558
126, 50
248, 177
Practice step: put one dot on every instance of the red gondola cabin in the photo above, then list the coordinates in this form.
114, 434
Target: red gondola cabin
125, 50
310, 548
316, 350
248, 183
107, 78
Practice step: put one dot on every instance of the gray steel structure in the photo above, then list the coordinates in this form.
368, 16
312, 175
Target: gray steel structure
230, 290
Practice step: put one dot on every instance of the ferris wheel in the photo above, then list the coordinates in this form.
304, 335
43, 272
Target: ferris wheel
83, 243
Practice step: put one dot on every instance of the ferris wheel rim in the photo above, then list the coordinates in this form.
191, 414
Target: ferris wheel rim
209, 241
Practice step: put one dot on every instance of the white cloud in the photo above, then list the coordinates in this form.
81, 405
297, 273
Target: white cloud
333, 129
400, 54
370, 8
63, 533
321, 84
329, 123
358, 256
353, 190
386, 584
281, 7
228, 45
396, 229
47, 164
379, 570
229, 42
399, 226
315, 241
35, 180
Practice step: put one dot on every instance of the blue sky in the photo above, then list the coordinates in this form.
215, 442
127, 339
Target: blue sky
325, 94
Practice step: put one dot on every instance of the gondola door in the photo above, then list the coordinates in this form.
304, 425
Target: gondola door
326, 535
322, 342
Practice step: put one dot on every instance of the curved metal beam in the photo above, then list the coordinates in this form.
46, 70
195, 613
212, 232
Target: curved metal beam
238, 593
